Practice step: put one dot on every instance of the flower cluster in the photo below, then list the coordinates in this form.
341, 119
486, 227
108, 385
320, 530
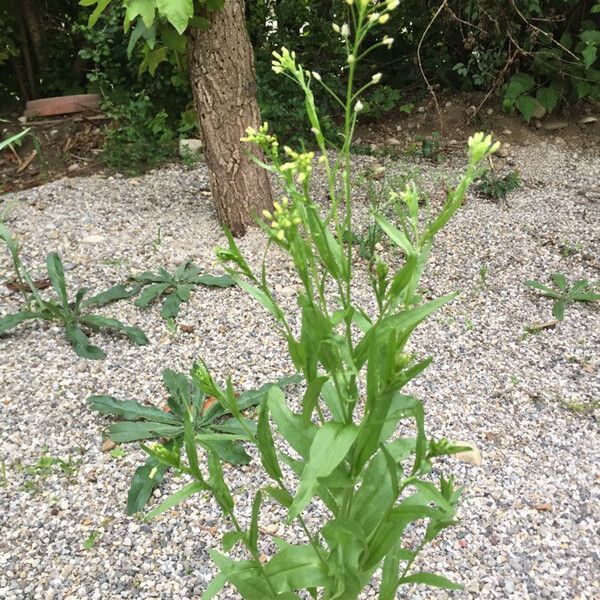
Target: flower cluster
284, 61
262, 137
300, 164
480, 145
284, 220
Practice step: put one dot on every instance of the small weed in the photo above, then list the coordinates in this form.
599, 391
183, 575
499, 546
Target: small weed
91, 540
48, 465
568, 249
428, 146
565, 294
118, 453
74, 315
580, 408
491, 185
176, 287
514, 380
156, 243
122, 263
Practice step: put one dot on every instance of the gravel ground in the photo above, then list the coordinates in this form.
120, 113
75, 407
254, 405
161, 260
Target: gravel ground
529, 520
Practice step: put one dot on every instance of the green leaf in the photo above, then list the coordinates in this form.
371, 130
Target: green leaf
430, 579
296, 568
131, 431
395, 235
402, 323
527, 106
173, 40
10, 321
150, 294
131, 410
547, 97
177, 12
170, 307
264, 440
329, 448
544, 288
280, 495
145, 479
101, 5
81, 343
183, 291
144, 8
290, 426
135, 334
558, 310
222, 281
117, 292
263, 298
56, 274
230, 539
391, 528
311, 397
253, 530
183, 494
217, 483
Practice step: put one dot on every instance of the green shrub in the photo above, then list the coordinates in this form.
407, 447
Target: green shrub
139, 137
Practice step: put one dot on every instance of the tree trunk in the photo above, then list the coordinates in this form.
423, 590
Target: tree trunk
221, 64
35, 29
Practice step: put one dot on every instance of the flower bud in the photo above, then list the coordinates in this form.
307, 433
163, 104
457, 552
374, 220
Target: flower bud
384, 19
336, 27
358, 106
345, 31
351, 58
316, 76
376, 78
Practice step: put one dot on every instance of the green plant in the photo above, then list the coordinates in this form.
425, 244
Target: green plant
14, 139
361, 451
176, 288
141, 136
45, 466
492, 185
430, 146
91, 540
565, 294
188, 407
74, 315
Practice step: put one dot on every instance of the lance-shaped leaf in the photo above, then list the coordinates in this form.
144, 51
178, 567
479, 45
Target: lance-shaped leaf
296, 568
329, 448
145, 479
117, 292
135, 334
131, 410
81, 343
56, 274
8, 322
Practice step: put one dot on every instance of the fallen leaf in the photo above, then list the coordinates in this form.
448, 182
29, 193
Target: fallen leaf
15, 286
543, 507
187, 328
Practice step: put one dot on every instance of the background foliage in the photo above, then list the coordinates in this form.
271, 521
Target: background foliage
535, 54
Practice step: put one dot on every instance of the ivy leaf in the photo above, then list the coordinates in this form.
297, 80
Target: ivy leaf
177, 12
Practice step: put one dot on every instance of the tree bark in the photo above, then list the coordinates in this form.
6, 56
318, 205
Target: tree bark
221, 64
